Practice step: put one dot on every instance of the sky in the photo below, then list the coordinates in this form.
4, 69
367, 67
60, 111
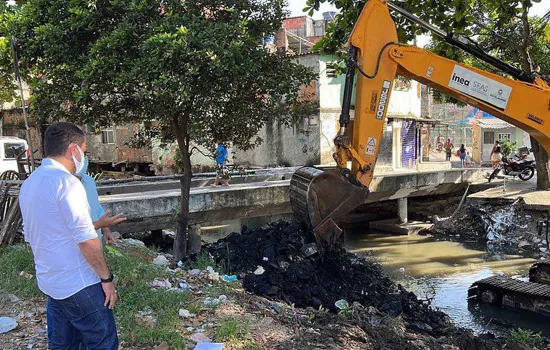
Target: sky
296, 6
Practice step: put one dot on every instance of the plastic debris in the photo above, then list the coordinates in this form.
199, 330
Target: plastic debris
146, 319
12, 298
231, 278
259, 271
160, 260
342, 304
186, 314
180, 264
134, 242
309, 249
184, 285
26, 275
161, 283
168, 233
7, 324
209, 346
265, 258
195, 272
199, 338
212, 302
402, 270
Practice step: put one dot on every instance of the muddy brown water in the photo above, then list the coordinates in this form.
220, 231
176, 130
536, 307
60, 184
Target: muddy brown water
443, 271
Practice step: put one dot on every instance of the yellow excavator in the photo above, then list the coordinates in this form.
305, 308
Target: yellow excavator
320, 199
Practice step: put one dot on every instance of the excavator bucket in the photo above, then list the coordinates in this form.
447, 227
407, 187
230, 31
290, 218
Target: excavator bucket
320, 199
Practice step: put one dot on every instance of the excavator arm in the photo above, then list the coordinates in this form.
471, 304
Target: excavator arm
319, 198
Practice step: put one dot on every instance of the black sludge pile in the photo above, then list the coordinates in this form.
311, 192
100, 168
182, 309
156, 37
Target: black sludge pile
296, 273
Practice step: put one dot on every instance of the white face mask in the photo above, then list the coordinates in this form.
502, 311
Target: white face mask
79, 164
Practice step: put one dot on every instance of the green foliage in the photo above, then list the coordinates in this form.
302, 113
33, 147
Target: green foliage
7, 82
194, 68
508, 148
133, 272
498, 24
15, 259
231, 329
526, 337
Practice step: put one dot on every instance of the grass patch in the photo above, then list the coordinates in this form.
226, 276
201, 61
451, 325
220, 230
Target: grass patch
13, 260
203, 260
133, 272
526, 337
231, 329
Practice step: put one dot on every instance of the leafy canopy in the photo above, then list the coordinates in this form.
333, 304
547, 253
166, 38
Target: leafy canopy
196, 69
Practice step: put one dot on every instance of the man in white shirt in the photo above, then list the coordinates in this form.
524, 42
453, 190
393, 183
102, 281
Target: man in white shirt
70, 266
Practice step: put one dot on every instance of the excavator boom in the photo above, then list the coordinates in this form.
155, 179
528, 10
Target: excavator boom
320, 199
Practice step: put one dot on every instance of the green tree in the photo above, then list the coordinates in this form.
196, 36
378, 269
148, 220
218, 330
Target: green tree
7, 79
504, 27
196, 70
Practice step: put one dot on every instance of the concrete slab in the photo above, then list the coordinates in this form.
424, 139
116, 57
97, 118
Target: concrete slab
512, 190
157, 209
393, 226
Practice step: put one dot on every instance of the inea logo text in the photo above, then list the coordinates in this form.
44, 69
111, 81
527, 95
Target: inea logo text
460, 80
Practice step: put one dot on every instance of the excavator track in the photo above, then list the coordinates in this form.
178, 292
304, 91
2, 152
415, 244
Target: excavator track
320, 199
510, 292
540, 272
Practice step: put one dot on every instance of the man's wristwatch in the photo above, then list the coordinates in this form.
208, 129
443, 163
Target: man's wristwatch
108, 280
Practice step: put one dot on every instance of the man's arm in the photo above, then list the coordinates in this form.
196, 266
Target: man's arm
93, 253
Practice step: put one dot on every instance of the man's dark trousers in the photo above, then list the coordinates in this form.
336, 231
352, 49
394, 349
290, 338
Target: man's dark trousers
81, 321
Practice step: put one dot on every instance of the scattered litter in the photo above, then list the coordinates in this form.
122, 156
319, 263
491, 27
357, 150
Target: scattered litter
259, 271
309, 249
184, 285
190, 329
186, 314
402, 270
7, 324
209, 346
146, 319
195, 272
160, 260
161, 283
543, 249
211, 302
231, 278
26, 275
134, 242
12, 298
265, 258
276, 307
42, 331
180, 264
524, 244
342, 304
200, 338
210, 269
168, 233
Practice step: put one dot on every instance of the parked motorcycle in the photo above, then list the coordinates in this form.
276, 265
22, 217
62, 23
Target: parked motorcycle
518, 166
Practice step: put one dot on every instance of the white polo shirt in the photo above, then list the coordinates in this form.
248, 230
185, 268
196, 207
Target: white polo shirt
56, 217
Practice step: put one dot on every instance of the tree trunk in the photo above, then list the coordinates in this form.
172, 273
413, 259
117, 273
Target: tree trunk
543, 166
180, 242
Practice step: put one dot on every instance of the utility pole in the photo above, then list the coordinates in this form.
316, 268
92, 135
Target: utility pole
18, 78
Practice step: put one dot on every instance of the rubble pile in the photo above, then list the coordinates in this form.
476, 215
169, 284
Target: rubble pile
280, 261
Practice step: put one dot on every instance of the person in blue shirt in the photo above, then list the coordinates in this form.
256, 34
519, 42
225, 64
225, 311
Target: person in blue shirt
221, 166
96, 210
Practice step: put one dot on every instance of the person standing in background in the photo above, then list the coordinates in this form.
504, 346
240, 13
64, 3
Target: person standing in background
221, 166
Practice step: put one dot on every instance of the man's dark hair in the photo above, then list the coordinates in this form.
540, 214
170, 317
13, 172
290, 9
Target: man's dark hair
59, 136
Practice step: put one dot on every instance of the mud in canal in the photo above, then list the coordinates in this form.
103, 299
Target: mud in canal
441, 271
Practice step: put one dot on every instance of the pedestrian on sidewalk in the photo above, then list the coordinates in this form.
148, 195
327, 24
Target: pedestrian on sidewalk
448, 149
496, 154
97, 212
222, 172
70, 266
462, 155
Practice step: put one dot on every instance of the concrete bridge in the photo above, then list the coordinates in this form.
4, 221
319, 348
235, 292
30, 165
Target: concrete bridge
154, 205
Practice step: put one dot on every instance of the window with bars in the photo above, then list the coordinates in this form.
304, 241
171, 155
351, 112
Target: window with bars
504, 137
